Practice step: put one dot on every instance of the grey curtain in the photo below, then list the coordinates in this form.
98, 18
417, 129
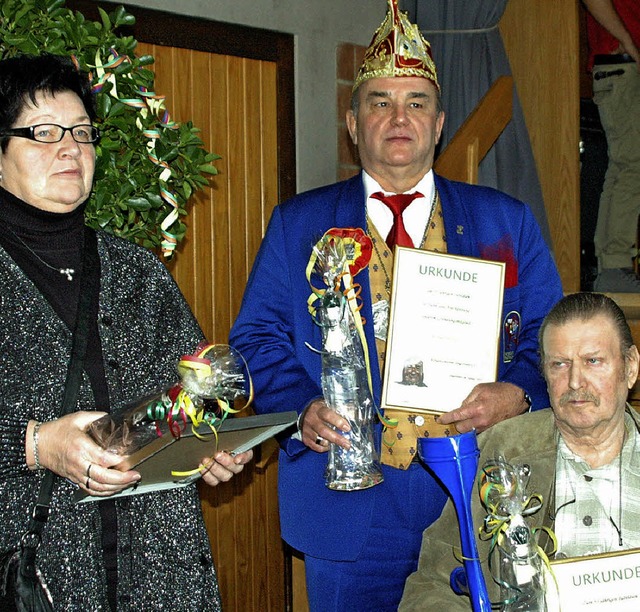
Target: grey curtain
469, 54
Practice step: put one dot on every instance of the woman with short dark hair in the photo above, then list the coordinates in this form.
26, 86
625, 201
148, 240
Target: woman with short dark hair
144, 552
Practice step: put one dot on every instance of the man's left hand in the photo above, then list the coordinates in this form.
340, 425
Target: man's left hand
486, 405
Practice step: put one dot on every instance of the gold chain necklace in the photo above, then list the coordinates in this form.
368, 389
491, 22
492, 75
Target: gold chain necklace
387, 280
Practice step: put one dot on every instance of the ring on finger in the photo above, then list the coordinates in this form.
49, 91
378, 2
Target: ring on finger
87, 483
319, 440
89, 471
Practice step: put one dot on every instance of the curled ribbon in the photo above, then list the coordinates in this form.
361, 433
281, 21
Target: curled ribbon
212, 372
501, 490
148, 102
351, 250
185, 410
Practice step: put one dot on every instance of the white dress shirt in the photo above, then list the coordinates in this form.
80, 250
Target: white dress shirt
415, 216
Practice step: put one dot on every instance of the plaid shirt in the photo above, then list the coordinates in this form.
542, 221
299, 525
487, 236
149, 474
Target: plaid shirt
588, 500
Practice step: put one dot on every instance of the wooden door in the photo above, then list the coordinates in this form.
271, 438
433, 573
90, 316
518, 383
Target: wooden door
235, 84
542, 42
233, 101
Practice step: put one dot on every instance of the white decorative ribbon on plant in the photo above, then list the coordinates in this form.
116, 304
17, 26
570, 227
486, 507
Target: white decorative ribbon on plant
147, 102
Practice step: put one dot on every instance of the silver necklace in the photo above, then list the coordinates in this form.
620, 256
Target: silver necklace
68, 272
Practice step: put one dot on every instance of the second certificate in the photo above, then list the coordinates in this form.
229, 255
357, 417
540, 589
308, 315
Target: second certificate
444, 329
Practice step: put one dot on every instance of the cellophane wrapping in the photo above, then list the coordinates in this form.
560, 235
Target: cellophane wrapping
210, 384
345, 375
516, 561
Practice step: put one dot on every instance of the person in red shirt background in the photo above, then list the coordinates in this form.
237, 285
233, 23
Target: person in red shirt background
613, 34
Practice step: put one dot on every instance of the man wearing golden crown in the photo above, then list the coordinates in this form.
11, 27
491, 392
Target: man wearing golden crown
360, 546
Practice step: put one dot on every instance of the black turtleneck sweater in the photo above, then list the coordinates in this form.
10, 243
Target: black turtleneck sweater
42, 243
54, 241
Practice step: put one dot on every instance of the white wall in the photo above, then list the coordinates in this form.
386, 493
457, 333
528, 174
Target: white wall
318, 26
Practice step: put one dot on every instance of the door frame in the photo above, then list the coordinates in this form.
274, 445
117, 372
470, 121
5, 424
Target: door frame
200, 34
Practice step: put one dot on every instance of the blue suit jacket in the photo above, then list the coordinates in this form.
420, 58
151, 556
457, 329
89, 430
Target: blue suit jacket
274, 327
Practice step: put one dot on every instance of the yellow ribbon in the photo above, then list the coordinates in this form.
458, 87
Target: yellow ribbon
345, 286
184, 405
495, 525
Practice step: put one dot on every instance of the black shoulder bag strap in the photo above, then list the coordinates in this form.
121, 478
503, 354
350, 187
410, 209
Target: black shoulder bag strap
89, 284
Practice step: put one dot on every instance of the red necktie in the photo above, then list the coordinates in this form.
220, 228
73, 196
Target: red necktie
396, 204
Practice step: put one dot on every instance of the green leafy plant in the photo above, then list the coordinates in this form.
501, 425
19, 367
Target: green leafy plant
147, 166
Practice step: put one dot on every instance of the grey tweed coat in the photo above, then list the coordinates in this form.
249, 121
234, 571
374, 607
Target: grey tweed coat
164, 556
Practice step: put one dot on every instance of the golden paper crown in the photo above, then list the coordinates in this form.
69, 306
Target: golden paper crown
397, 49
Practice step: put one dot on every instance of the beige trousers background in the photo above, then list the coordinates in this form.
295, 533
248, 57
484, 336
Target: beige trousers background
618, 98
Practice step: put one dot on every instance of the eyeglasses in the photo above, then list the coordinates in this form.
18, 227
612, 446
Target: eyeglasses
51, 132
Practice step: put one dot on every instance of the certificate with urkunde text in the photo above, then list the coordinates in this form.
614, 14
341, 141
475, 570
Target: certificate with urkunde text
596, 583
444, 329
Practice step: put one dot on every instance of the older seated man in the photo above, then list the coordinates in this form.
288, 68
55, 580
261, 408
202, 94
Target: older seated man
583, 452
